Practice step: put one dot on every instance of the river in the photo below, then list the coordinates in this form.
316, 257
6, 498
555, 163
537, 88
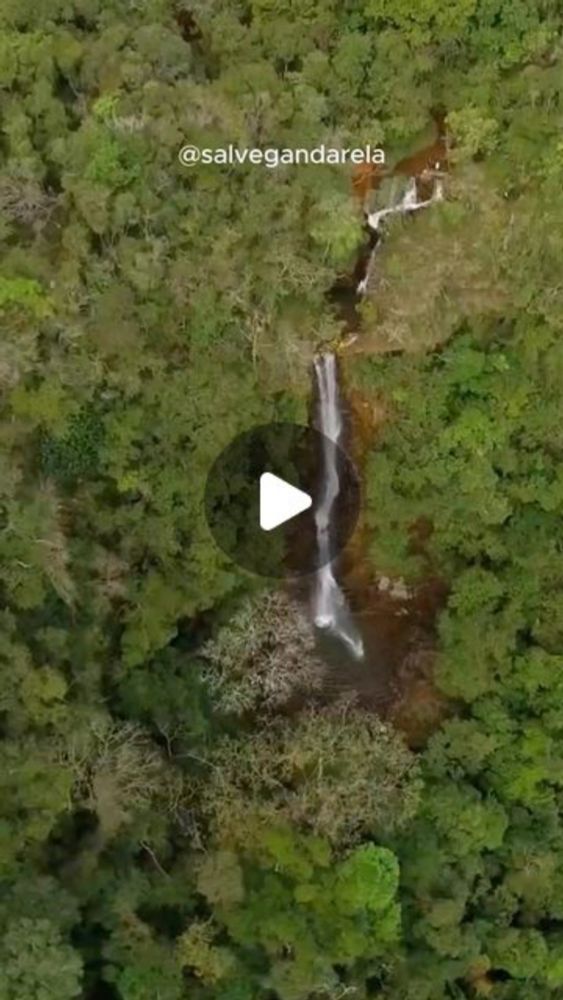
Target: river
375, 634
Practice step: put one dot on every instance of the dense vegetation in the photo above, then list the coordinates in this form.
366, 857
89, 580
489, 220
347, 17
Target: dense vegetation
183, 812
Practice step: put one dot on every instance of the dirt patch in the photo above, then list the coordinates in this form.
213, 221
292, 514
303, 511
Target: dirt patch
398, 625
419, 708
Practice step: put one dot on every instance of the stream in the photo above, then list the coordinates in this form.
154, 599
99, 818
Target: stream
331, 610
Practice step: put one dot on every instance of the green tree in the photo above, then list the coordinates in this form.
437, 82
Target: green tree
302, 912
36, 962
339, 773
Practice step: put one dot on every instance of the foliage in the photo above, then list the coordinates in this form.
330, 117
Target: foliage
342, 774
76, 454
177, 819
24, 292
307, 920
116, 768
35, 962
262, 656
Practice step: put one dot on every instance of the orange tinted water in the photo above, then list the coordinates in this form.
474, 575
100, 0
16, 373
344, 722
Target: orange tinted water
367, 177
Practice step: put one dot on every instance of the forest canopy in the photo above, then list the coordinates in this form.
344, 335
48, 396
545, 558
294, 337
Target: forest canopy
184, 810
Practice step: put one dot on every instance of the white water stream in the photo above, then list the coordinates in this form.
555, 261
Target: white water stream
408, 203
330, 608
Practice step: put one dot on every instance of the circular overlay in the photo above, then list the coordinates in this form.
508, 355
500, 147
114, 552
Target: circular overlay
302, 457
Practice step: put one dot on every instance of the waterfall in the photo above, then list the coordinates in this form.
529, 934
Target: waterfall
408, 203
331, 611
330, 607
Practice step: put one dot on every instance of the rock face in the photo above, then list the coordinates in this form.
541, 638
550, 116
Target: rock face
395, 588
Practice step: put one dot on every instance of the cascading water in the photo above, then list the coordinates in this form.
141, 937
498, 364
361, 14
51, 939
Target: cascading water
331, 611
407, 203
330, 608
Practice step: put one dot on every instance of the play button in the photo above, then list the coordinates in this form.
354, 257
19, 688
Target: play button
280, 501
263, 495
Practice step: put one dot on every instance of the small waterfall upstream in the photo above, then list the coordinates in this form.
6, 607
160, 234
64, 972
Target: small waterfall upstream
409, 202
330, 608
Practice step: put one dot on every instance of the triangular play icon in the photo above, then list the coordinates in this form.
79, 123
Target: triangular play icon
280, 501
